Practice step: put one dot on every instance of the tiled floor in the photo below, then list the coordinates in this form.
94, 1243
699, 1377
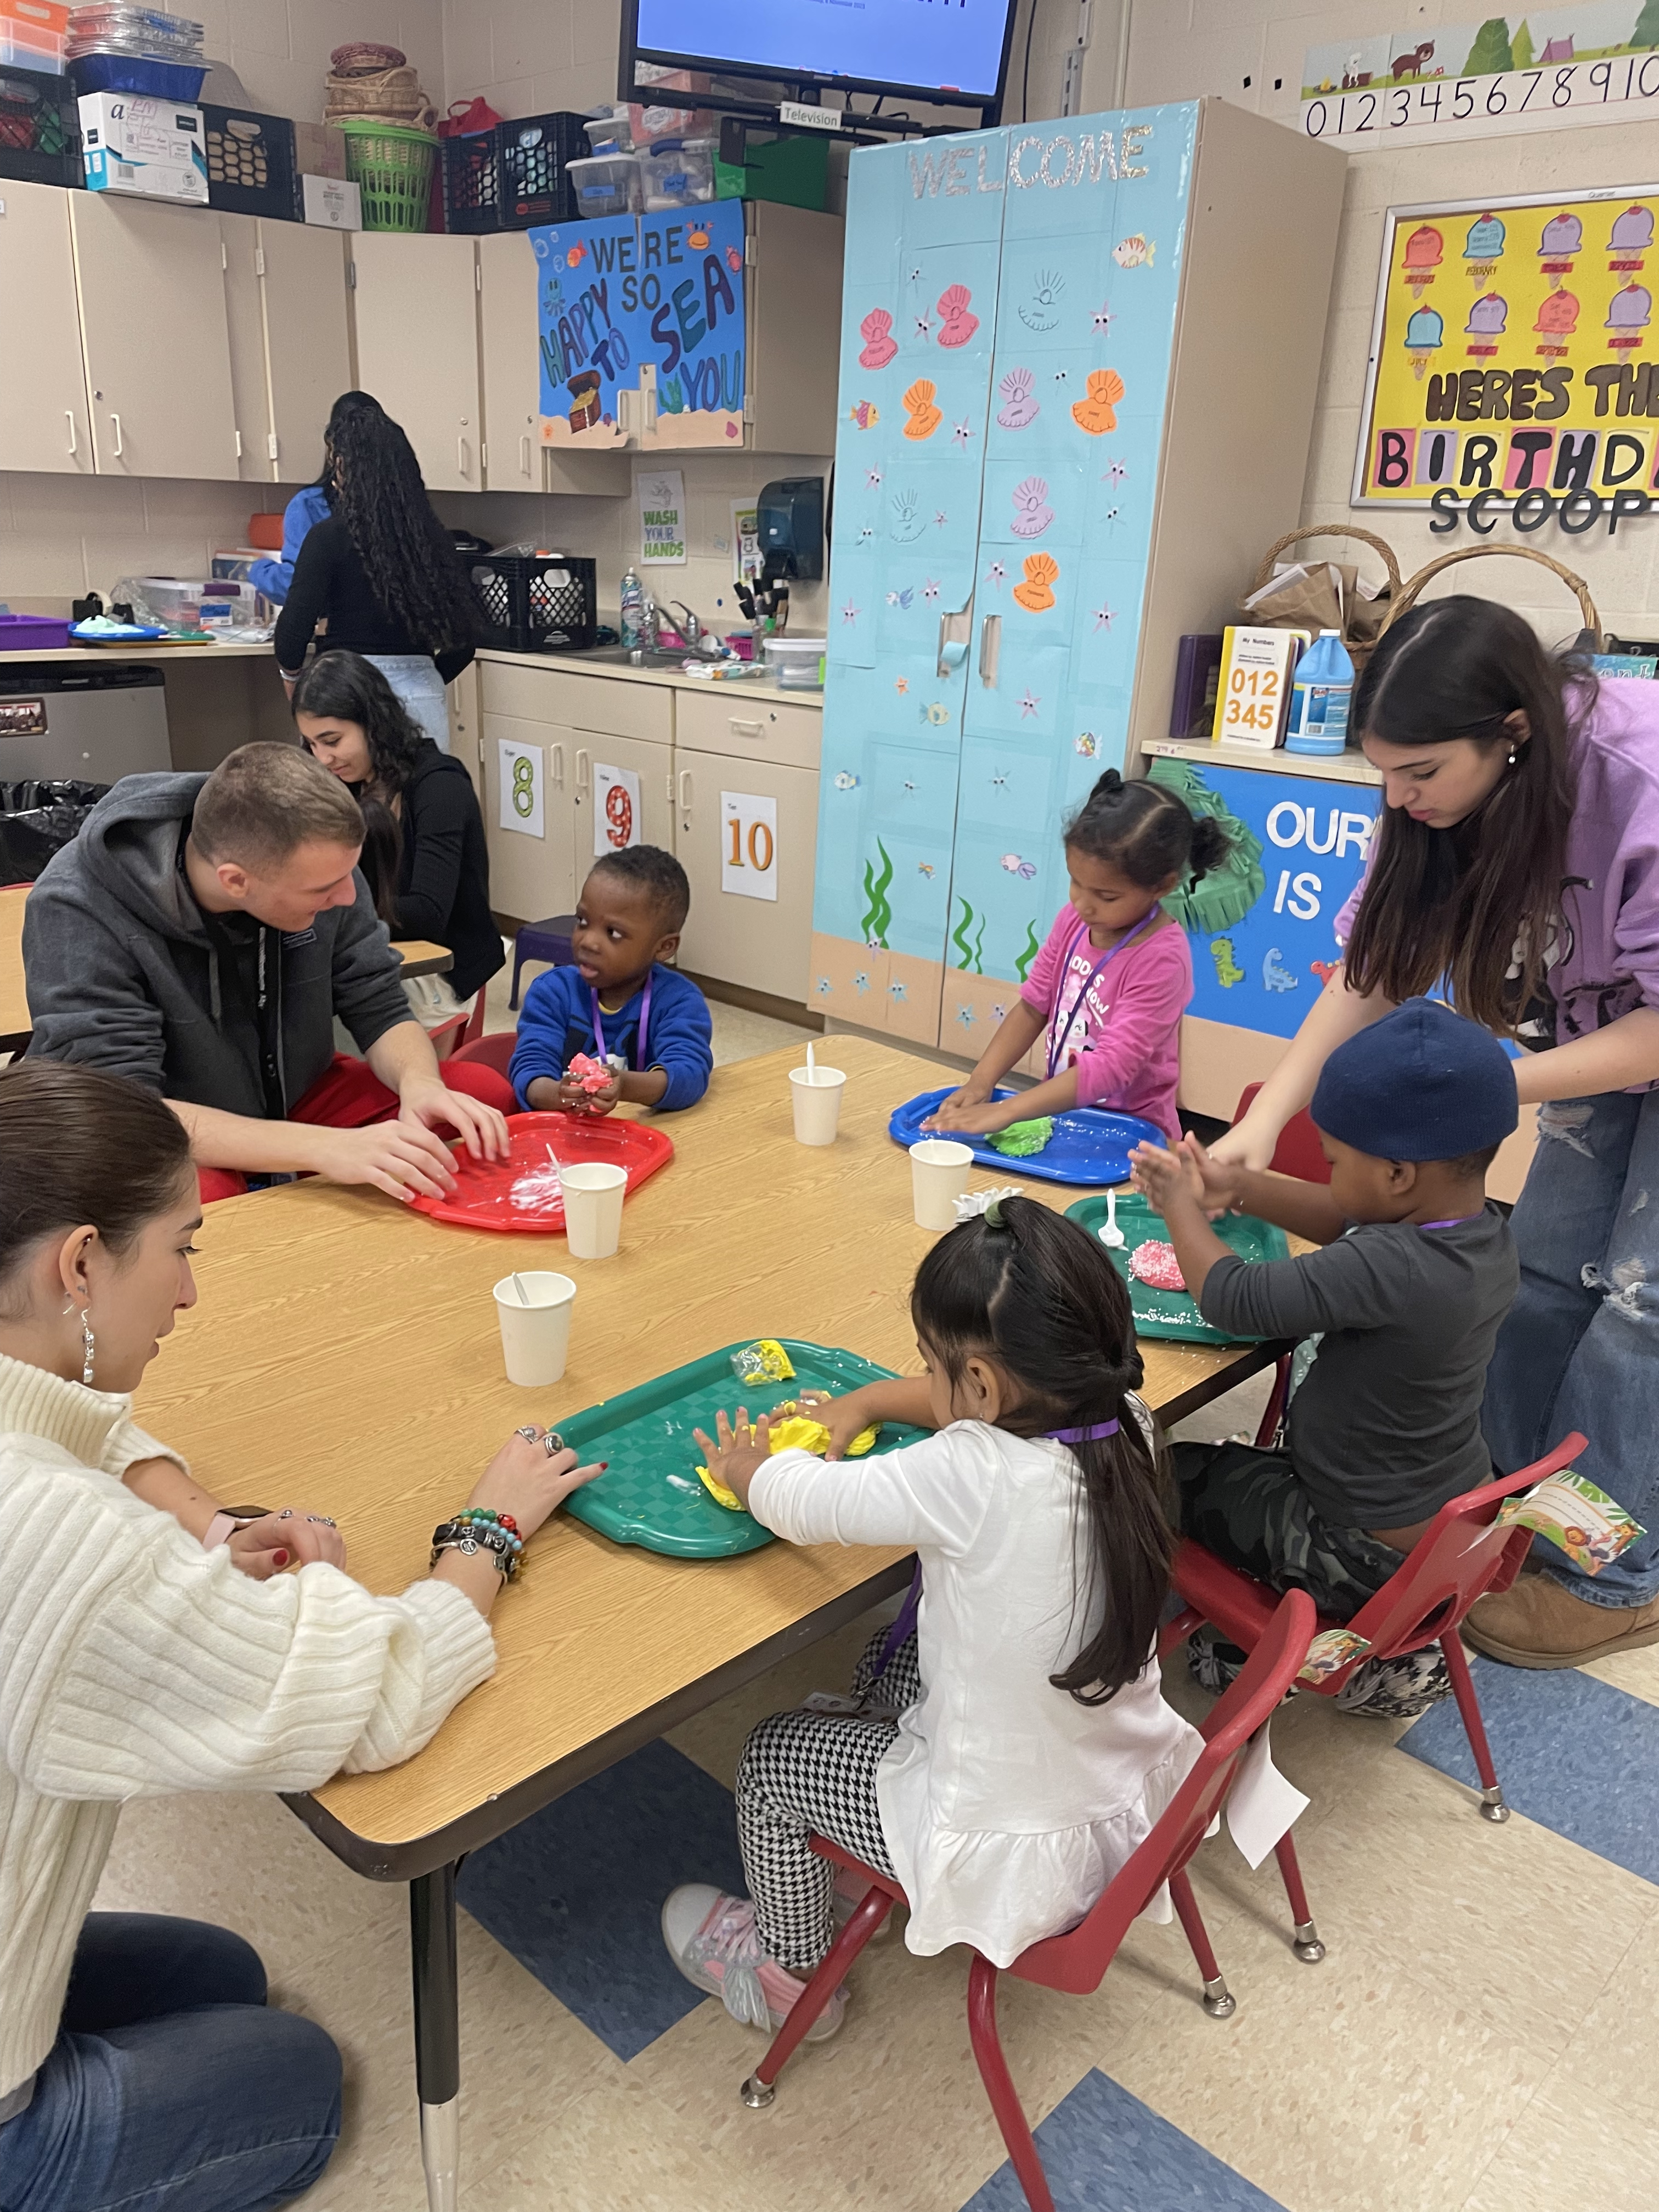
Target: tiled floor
1482, 2037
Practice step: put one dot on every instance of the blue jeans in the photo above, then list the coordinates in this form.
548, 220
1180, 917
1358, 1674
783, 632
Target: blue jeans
172, 2088
1580, 1349
414, 676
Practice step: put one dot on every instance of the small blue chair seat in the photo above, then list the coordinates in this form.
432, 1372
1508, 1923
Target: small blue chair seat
548, 940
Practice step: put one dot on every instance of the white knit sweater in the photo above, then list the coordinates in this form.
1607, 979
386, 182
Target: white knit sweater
134, 1664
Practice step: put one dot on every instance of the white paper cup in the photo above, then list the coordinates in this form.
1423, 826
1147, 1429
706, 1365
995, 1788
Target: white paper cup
817, 1103
593, 1194
938, 1177
535, 1338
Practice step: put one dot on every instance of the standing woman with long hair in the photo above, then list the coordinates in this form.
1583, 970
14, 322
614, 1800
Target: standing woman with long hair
424, 855
382, 571
1517, 858
312, 504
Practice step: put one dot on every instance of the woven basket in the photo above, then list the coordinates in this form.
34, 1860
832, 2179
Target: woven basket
1359, 650
393, 167
393, 95
1409, 593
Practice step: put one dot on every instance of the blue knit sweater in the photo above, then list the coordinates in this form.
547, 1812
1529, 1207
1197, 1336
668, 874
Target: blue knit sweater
557, 1023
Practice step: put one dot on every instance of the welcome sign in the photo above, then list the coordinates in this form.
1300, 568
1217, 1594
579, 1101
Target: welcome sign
633, 309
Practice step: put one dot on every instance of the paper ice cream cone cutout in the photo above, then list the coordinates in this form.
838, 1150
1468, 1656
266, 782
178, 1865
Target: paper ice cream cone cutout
924, 417
958, 326
1558, 318
1484, 246
1629, 313
1633, 232
1423, 250
1563, 237
1037, 594
1424, 331
1098, 413
1018, 406
1032, 512
879, 343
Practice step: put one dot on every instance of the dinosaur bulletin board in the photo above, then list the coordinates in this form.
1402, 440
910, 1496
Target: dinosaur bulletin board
1513, 353
627, 302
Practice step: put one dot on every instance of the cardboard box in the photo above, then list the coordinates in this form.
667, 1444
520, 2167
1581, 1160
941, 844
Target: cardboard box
149, 149
333, 201
318, 150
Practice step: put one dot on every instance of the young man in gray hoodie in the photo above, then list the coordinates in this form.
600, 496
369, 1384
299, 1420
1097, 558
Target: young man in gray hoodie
201, 934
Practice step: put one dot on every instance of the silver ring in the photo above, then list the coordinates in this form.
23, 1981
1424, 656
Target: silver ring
554, 1442
323, 1520
532, 1436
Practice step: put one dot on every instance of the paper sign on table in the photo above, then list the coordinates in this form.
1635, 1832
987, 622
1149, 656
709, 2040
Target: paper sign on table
615, 809
1568, 1510
749, 845
520, 768
1261, 1806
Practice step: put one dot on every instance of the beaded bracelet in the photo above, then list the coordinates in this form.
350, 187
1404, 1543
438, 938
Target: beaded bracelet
480, 1516
470, 1537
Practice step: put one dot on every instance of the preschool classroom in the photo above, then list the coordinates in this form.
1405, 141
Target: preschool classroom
830, 898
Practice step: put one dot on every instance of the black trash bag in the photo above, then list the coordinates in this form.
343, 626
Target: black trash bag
38, 818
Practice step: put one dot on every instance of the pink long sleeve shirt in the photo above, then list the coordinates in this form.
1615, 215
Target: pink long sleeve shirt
1121, 1032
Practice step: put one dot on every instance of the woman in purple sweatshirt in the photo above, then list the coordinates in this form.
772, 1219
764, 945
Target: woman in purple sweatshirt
1517, 861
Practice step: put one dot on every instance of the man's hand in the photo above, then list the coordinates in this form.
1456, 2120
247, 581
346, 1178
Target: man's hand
427, 1103
401, 1157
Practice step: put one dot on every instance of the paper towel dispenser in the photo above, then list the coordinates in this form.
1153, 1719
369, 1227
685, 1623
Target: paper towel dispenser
791, 525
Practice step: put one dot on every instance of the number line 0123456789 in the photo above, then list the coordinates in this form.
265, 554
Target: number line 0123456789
1518, 100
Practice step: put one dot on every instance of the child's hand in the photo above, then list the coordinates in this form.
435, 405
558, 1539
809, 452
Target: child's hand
736, 1458
1166, 1174
1224, 1184
971, 1119
844, 1418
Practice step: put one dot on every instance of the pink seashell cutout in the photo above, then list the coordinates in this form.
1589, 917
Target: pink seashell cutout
879, 345
958, 325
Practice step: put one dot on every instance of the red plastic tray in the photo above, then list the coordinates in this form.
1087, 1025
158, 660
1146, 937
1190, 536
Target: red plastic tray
513, 1194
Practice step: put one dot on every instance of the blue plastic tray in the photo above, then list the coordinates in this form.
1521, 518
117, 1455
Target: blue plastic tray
1088, 1146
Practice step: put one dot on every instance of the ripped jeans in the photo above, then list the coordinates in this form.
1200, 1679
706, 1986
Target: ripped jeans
1580, 1349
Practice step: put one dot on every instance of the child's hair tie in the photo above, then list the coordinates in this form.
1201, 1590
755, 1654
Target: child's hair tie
1095, 1432
973, 1203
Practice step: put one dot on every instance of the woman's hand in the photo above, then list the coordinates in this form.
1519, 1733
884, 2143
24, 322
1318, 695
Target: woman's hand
290, 1538
525, 1480
735, 1458
1248, 1143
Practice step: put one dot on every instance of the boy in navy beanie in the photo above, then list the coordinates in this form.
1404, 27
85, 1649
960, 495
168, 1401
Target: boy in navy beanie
1405, 1300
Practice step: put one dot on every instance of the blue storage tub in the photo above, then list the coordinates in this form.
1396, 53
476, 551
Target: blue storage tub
178, 82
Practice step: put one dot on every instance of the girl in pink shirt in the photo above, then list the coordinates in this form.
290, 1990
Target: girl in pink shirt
1108, 990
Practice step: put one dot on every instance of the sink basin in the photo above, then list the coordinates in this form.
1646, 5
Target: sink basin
625, 656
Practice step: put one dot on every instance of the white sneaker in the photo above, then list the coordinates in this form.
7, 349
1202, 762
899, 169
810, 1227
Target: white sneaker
711, 1938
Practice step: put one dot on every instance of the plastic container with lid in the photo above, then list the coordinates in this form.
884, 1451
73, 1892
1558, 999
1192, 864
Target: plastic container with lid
606, 183
797, 663
678, 173
609, 134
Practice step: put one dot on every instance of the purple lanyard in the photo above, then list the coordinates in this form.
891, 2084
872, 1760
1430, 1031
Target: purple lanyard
1452, 1221
645, 1023
1059, 1032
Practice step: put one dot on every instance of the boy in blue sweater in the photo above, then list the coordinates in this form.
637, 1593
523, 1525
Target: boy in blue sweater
619, 1003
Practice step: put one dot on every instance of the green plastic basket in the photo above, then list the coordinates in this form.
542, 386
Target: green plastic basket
393, 167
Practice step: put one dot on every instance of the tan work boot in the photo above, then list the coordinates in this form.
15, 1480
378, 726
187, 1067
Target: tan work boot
1539, 1623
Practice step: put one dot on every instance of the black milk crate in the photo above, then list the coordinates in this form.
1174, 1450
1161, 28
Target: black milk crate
39, 129
533, 601
250, 162
513, 177
471, 193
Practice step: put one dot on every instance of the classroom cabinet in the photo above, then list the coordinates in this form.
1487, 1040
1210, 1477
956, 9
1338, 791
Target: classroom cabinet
415, 302
44, 422
515, 459
531, 870
740, 822
290, 351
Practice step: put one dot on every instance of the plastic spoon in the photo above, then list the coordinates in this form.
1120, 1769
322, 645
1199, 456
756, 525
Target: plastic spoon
519, 1287
1111, 1235
811, 1064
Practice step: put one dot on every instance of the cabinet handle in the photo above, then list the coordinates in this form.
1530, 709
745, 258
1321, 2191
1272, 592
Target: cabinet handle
584, 774
668, 787
746, 729
990, 650
524, 455
954, 632
557, 752
119, 448
68, 416
685, 793
463, 465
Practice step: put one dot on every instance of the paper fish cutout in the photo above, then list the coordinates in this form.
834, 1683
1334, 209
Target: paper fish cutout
1097, 414
1134, 252
846, 780
1032, 513
1024, 869
734, 259
924, 868
1087, 743
1018, 407
924, 417
864, 415
959, 325
573, 259
1041, 311
879, 344
1037, 594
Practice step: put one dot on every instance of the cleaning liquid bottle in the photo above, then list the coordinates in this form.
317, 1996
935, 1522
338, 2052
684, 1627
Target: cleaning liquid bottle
633, 609
1320, 691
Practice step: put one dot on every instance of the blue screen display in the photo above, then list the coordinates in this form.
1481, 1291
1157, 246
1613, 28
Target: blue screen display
942, 45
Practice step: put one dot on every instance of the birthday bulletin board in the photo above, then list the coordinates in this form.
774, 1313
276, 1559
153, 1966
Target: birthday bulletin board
1513, 353
629, 303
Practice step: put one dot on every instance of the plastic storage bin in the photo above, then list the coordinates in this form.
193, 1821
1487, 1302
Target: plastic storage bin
32, 35
39, 129
532, 601
392, 168
609, 134
33, 632
250, 162
606, 183
138, 73
797, 663
193, 603
678, 173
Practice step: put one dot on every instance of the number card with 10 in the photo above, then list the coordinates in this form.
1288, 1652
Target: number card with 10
749, 847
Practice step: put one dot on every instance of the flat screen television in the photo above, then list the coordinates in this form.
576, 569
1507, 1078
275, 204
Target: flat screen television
955, 51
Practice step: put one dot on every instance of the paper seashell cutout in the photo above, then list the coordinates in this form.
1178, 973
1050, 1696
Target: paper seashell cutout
1037, 594
924, 417
879, 345
1018, 408
1098, 413
1032, 513
958, 325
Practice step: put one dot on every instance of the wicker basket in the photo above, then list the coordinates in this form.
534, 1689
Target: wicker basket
393, 167
1409, 590
1359, 650
392, 96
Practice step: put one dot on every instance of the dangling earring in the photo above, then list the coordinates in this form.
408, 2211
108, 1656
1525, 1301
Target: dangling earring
89, 1347
1511, 760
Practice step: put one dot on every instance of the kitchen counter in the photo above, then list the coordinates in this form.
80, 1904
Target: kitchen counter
665, 672
161, 655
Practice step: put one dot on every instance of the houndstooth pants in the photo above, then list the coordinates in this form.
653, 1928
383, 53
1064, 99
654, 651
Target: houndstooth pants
803, 1774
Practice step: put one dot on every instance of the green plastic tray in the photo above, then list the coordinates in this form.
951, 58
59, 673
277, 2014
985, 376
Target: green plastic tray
653, 1496
1173, 1313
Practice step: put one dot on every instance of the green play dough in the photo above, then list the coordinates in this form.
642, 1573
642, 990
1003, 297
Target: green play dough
1021, 1139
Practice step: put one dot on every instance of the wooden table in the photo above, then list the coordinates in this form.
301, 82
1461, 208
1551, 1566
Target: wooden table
348, 1349
421, 958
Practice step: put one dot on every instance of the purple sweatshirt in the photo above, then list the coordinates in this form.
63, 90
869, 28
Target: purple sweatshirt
1606, 960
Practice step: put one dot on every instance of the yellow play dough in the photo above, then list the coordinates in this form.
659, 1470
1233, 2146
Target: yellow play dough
795, 1434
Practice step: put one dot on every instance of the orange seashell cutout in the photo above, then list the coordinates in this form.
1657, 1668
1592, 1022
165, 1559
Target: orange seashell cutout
1037, 594
1098, 413
924, 417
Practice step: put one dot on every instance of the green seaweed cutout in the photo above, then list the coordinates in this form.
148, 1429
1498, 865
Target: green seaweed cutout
1033, 945
671, 398
979, 949
878, 916
959, 936
1220, 900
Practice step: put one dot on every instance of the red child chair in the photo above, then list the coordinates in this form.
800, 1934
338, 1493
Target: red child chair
1298, 1152
494, 1050
460, 1031
1461, 1555
1077, 1962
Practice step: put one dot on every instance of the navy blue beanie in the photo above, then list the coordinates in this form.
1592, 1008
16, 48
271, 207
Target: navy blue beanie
1420, 1084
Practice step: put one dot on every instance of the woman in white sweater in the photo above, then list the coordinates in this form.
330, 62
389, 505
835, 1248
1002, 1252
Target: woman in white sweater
139, 2064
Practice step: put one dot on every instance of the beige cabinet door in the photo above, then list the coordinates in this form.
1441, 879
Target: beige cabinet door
416, 312
600, 822
157, 340
244, 320
530, 876
510, 346
308, 340
43, 389
763, 944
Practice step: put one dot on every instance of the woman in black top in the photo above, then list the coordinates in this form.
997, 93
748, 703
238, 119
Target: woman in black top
424, 855
382, 571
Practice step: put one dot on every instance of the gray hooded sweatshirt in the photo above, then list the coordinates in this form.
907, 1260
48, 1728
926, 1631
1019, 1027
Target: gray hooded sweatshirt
125, 974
